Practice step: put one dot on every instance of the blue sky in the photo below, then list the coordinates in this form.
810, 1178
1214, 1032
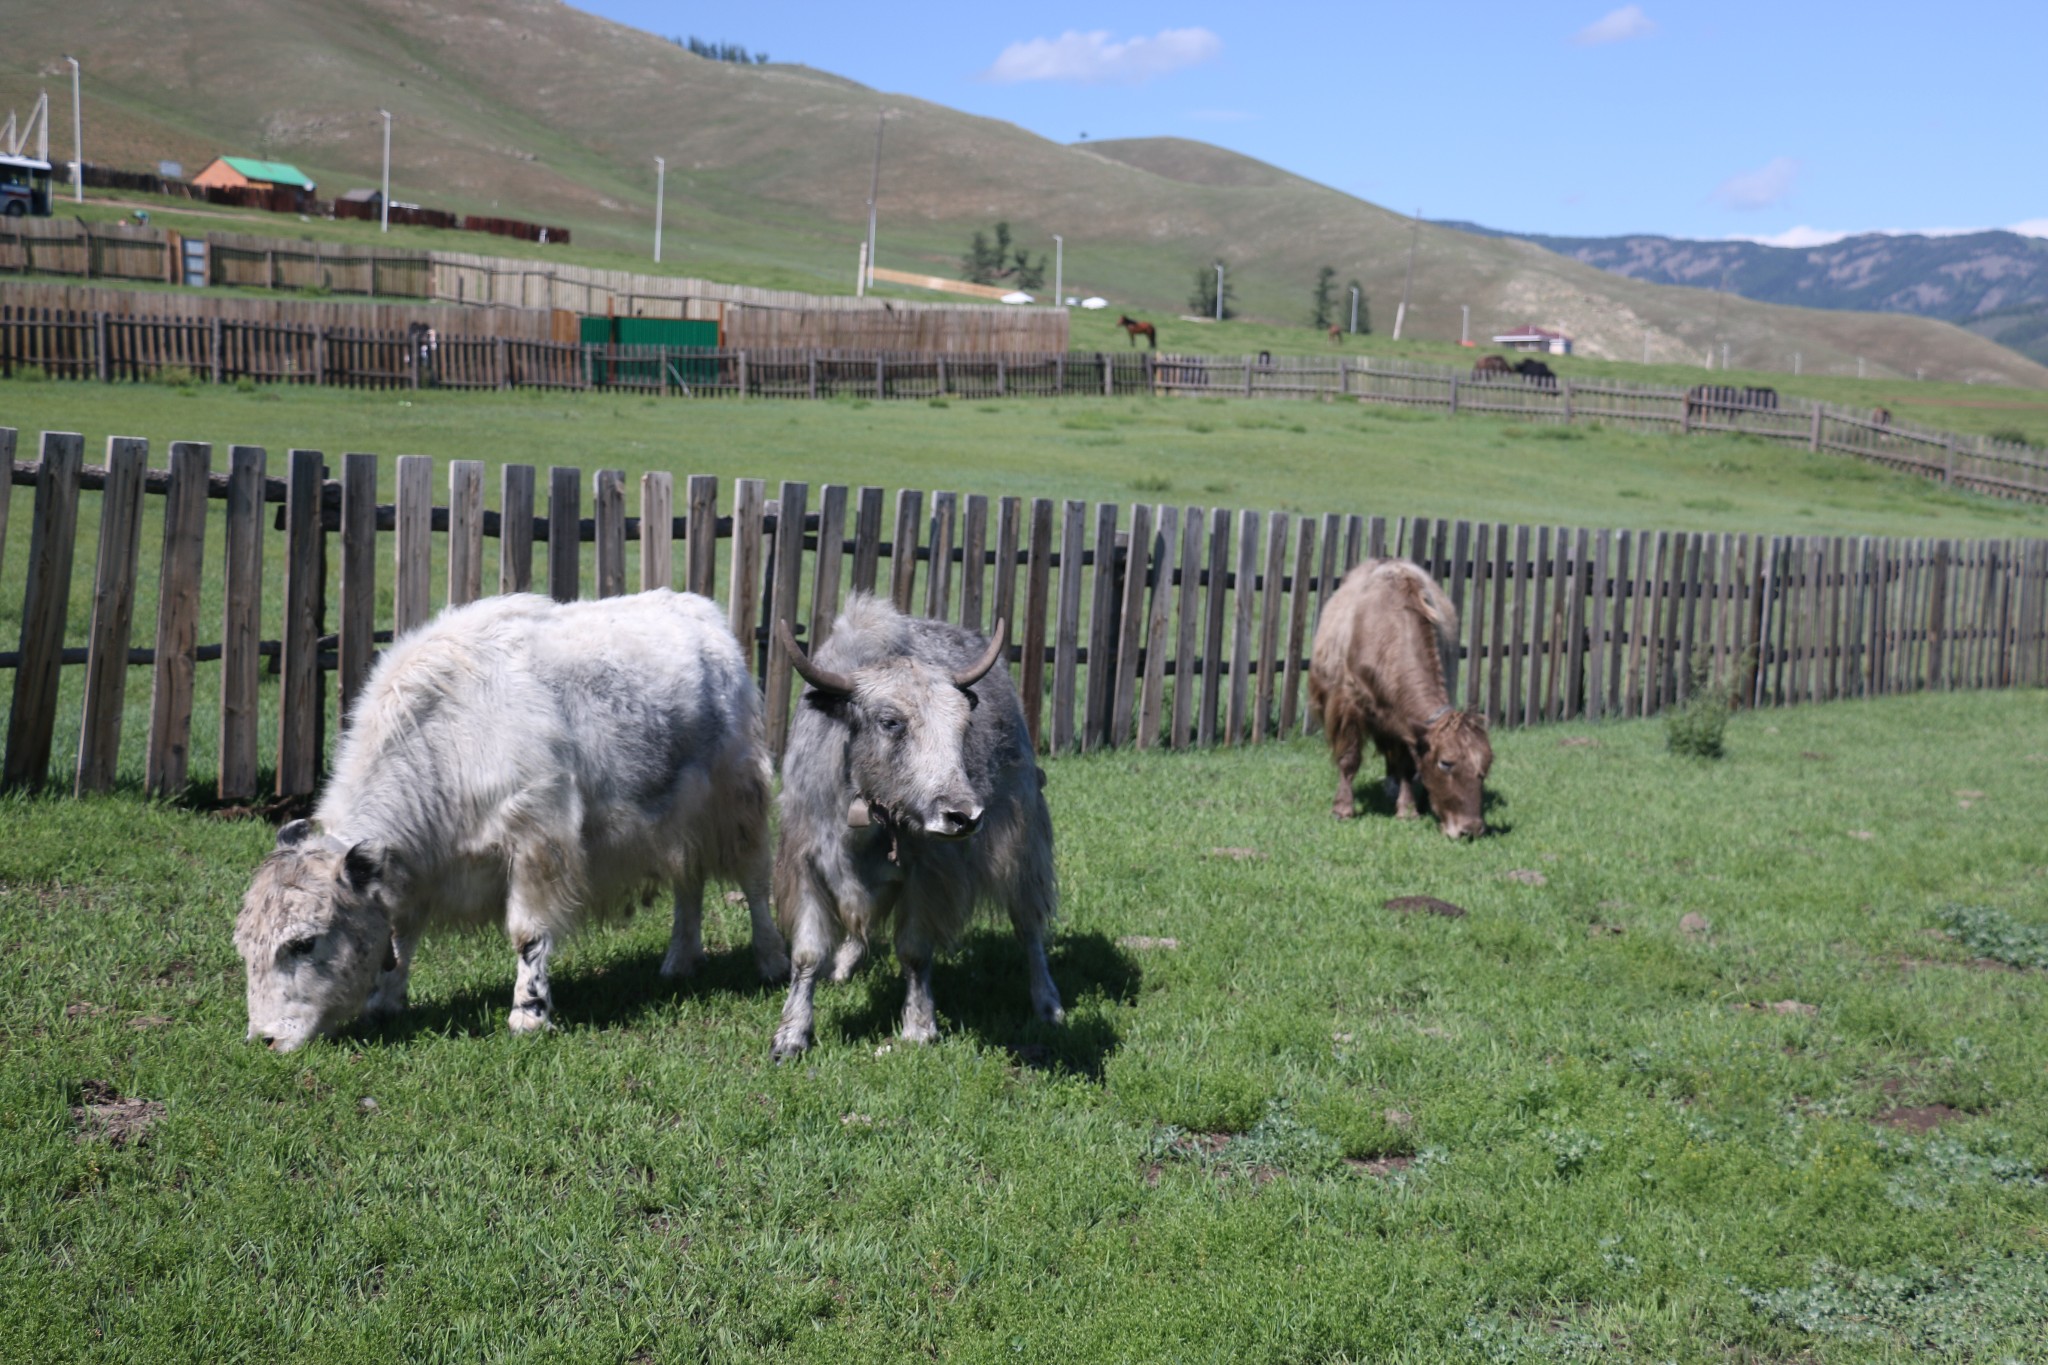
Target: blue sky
1760, 120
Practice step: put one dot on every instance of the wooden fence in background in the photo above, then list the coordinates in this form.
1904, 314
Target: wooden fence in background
1152, 625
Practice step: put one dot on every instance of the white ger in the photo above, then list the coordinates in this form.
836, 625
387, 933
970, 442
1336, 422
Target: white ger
909, 793
519, 760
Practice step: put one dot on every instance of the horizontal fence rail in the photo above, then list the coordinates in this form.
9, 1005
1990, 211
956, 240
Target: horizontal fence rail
112, 345
1154, 625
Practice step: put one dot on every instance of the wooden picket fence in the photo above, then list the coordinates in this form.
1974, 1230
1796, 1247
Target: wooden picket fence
1149, 625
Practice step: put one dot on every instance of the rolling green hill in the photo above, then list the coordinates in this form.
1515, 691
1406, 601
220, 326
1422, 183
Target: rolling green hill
530, 108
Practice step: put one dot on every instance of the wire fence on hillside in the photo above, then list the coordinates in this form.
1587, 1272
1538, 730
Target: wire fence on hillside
1152, 625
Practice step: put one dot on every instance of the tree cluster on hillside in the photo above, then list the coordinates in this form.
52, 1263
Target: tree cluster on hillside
1324, 295
1202, 302
721, 52
998, 262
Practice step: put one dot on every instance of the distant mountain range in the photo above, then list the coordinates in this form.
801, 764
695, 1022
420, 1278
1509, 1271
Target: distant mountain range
1994, 283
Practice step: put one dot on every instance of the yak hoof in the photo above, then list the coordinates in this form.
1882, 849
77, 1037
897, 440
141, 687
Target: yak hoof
788, 1047
773, 965
1342, 812
920, 1033
529, 1021
678, 965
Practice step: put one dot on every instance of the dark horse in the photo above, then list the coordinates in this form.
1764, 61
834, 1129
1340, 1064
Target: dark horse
1138, 329
1492, 367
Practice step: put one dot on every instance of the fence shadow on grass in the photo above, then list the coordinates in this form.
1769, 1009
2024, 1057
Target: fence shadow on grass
981, 992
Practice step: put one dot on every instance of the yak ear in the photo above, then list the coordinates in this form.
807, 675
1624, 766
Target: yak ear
294, 833
362, 867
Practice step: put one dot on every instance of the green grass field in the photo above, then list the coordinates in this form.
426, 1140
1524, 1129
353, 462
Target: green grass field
1709, 1069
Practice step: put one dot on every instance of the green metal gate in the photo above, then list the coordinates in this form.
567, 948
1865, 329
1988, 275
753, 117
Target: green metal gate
650, 352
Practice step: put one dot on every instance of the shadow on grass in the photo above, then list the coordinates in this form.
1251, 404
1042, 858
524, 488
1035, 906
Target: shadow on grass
616, 993
981, 991
1372, 800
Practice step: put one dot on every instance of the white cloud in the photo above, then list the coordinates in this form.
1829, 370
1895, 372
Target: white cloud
1623, 24
1096, 57
1797, 236
1812, 236
2033, 227
1762, 188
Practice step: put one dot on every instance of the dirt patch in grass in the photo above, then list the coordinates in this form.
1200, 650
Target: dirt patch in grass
1919, 1118
101, 1112
1428, 905
1695, 925
1527, 876
1146, 941
1578, 742
1379, 1167
1236, 855
1781, 1007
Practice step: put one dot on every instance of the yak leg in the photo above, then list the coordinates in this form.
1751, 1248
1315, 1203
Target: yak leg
914, 950
1401, 781
847, 957
1033, 898
388, 996
810, 944
531, 1001
686, 934
1347, 755
532, 929
771, 955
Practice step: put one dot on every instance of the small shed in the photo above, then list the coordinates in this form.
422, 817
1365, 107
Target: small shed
1534, 338
241, 172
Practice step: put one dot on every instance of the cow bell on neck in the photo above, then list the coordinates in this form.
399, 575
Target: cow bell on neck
857, 814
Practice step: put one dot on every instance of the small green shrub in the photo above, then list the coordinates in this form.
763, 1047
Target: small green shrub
2011, 436
939, 402
245, 384
32, 374
1998, 936
1698, 726
1152, 483
175, 377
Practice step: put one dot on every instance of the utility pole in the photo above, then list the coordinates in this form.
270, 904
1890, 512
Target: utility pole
1219, 291
1354, 310
384, 200
1401, 313
874, 189
1059, 262
1724, 355
1796, 358
77, 138
1464, 324
660, 185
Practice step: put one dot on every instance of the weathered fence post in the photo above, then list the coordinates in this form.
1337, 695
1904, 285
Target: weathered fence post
301, 711
743, 374
45, 604
565, 532
177, 620
358, 576
1813, 437
1454, 395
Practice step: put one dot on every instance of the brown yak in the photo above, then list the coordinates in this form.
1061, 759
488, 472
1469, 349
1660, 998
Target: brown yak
1382, 654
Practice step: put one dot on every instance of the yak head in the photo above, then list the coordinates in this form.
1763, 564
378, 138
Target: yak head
313, 934
1452, 758
906, 750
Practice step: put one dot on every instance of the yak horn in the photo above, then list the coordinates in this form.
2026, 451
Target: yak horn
824, 679
976, 671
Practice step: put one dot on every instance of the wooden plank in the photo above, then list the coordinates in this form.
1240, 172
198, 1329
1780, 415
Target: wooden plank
1067, 636
113, 615
1037, 597
657, 530
1461, 554
465, 531
358, 578
1688, 573
413, 546
1499, 570
1635, 693
1599, 591
831, 557
1376, 539
1331, 533
1292, 713
1099, 693
1158, 623
241, 626
938, 583
1832, 595
867, 539
1939, 617
608, 510
1122, 686
973, 557
1517, 697
1270, 586
700, 536
743, 590
1187, 659
168, 761
903, 549
1354, 541
1474, 626
1556, 646
1620, 589
1213, 672
515, 528
1580, 583
1009, 530
1243, 598
565, 533
301, 708
792, 502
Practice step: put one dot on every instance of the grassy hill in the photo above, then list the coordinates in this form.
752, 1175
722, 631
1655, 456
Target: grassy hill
532, 108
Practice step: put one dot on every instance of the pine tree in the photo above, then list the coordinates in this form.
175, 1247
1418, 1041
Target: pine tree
1319, 316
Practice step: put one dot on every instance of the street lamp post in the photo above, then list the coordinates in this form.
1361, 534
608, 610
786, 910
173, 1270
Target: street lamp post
1354, 310
77, 137
1059, 261
384, 199
1219, 291
660, 183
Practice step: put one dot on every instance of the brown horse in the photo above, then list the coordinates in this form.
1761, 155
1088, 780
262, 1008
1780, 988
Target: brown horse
1492, 367
1336, 335
1136, 329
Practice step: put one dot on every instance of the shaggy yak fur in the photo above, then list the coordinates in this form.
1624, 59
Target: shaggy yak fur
909, 795
524, 761
1383, 649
